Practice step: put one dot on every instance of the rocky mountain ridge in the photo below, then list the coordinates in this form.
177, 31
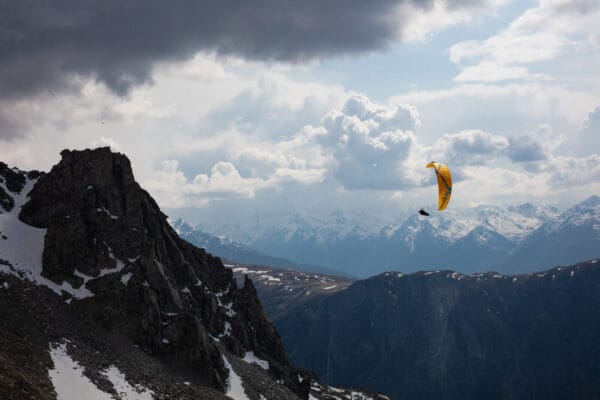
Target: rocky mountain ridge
445, 335
282, 289
93, 278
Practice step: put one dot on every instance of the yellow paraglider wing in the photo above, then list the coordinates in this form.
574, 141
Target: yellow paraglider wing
444, 183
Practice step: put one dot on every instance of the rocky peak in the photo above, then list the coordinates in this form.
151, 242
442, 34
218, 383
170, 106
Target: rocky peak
129, 271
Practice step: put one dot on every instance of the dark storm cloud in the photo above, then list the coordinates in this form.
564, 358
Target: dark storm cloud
9, 128
43, 43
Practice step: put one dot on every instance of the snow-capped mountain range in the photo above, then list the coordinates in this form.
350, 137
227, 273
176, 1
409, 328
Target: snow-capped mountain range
230, 250
506, 239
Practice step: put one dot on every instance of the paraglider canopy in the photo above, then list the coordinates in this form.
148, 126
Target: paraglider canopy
444, 179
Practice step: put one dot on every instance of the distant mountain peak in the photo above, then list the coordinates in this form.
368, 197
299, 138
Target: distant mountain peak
592, 201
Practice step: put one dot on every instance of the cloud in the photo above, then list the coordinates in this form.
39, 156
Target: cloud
224, 182
518, 108
10, 127
586, 140
273, 104
466, 150
103, 141
421, 23
369, 143
469, 147
542, 33
361, 146
592, 122
44, 44
569, 172
173, 189
526, 149
589, 137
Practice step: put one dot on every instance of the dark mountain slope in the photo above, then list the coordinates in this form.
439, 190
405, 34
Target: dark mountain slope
443, 335
280, 289
120, 268
34, 319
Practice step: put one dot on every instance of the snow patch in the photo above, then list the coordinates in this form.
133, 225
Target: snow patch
228, 307
249, 357
68, 379
235, 389
70, 383
24, 247
123, 388
104, 210
226, 330
119, 264
125, 278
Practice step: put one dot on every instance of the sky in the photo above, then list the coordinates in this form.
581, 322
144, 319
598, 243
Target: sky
234, 108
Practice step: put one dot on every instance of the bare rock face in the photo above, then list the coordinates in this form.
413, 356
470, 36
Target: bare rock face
107, 238
14, 182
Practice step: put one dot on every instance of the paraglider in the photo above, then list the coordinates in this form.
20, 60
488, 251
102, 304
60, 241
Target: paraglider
444, 180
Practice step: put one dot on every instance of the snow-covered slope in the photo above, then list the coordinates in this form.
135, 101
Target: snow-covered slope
569, 237
22, 245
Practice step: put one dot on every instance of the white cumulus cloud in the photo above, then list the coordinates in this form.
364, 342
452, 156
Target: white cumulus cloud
369, 143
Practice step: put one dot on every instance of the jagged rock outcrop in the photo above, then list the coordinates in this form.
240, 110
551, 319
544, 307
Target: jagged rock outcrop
14, 182
130, 273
